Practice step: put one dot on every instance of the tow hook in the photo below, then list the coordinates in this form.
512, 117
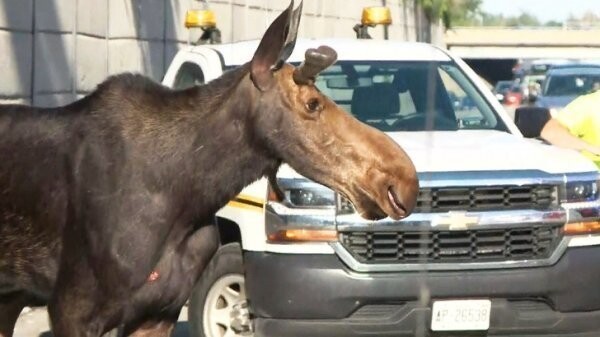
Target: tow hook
240, 318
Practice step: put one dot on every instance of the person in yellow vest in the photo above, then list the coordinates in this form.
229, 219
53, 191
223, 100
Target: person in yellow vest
577, 126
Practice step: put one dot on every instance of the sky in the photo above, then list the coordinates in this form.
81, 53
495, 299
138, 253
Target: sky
545, 10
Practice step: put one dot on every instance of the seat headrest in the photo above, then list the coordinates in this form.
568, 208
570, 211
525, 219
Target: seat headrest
379, 101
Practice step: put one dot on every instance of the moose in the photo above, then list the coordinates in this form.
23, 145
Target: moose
107, 203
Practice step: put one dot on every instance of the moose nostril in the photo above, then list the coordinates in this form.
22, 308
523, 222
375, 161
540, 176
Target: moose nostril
396, 202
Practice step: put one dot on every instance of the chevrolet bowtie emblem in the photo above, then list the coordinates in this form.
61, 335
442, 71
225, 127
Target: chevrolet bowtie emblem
456, 220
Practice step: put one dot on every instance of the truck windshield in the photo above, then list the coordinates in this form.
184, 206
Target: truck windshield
408, 96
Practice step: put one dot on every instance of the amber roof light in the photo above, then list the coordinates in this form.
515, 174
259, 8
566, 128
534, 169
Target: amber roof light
200, 19
372, 16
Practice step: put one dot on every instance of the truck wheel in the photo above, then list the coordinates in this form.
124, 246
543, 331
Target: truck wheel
217, 306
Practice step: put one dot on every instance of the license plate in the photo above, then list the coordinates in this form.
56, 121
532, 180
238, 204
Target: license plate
461, 315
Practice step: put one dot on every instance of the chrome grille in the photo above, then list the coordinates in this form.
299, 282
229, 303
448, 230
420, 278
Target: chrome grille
477, 198
444, 246
486, 198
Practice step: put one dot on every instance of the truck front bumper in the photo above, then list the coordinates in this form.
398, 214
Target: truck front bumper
317, 295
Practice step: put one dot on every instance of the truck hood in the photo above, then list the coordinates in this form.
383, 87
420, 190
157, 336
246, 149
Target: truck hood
482, 150
486, 150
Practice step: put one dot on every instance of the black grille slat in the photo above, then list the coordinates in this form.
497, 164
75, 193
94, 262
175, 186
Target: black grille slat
521, 236
387, 241
443, 199
524, 196
443, 246
451, 241
362, 251
490, 197
486, 240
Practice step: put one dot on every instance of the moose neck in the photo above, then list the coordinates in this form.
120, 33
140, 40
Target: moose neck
225, 143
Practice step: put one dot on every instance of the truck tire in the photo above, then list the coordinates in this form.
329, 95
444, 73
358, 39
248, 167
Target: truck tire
219, 288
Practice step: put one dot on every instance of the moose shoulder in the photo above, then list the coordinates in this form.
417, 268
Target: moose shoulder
106, 204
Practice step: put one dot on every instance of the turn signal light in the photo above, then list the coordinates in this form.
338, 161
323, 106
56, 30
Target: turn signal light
579, 228
303, 235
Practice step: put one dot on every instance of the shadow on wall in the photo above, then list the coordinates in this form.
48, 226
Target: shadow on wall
154, 22
41, 39
15, 42
37, 69
53, 52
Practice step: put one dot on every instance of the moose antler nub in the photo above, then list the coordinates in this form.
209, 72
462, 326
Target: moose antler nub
315, 61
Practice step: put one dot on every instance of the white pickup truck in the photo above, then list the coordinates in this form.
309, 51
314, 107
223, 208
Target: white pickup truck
505, 238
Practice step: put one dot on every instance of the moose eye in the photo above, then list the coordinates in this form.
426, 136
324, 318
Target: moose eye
313, 105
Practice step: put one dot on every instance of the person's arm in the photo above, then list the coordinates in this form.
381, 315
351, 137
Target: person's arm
556, 134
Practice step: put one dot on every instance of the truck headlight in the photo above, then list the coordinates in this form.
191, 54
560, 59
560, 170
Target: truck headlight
304, 211
579, 191
309, 196
583, 196
301, 193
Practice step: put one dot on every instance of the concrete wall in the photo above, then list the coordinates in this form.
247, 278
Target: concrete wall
54, 51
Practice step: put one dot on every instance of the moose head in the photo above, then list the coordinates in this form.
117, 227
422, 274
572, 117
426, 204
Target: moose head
318, 139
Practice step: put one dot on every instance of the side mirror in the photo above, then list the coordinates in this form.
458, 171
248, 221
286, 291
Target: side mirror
531, 120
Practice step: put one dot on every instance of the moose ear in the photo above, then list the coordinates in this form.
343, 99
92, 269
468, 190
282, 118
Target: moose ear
275, 47
292, 35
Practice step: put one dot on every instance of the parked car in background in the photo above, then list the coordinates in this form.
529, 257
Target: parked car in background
500, 88
513, 97
531, 76
564, 83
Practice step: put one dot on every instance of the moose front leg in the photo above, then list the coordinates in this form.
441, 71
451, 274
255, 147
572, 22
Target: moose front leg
93, 290
79, 308
199, 249
170, 284
90, 300
10, 307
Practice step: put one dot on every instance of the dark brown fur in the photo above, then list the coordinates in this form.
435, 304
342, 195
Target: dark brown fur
121, 166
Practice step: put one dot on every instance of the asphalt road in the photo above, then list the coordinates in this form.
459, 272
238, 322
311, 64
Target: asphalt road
34, 323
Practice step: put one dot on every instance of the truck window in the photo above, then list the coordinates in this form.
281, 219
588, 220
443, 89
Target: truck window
467, 112
189, 75
408, 95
